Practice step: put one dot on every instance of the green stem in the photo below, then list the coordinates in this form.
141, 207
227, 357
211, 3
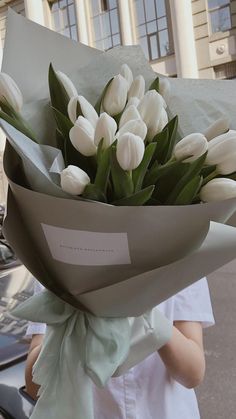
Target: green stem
210, 177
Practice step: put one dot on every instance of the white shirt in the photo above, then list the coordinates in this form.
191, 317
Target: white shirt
147, 391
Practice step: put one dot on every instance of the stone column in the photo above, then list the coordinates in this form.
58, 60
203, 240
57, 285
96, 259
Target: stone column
184, 42
82, 21
126, 20
34, 11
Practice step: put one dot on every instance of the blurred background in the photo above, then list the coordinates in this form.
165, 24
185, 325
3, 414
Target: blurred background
180, 38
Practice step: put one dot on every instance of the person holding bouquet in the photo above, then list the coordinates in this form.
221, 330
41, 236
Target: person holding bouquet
162, 386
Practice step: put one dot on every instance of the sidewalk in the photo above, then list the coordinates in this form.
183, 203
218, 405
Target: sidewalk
217, 395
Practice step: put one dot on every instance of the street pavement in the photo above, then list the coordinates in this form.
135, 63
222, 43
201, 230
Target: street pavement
217, 395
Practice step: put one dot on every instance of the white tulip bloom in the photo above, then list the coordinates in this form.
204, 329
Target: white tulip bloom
87, 109
74, 180
105, 129
116, 96
134, 126
126, 72
191, 147
152, 112
137, 88
217, 128
221, 148
129, 113
164, 88
218, 189
67, 83
130, 151
133, 101
11, 92
82, 137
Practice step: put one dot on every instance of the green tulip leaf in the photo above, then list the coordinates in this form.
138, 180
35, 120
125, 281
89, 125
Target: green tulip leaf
155, 85
193, 169
103, 170
19, 125
189, 192
93, 193
172, 127
161, 140
58, 93
121, 180
140, 172
207, 170
98, 105
64, 124
137, 199
157, 172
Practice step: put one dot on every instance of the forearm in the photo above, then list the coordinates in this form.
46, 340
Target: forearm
31, 387
184, 358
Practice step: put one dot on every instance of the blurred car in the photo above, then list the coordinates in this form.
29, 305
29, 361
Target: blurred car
16, 285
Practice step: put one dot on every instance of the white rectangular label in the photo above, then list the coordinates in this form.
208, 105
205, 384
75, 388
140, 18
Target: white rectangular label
87, 248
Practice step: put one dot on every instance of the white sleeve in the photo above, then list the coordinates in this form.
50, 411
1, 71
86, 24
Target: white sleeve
36, 328
194, 304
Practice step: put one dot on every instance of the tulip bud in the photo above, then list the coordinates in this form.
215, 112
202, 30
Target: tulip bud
74, 180
126, 72
218, 189
190, 147
105, 129
152, 112
137, 88
164, 88
67, 83
130, 151
87, 109
221, 148
10, 92
136, 127
219, 127
129, 113
82, 137
115, 96
133, 101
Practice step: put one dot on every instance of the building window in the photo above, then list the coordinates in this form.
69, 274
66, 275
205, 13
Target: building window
220, 16
105, 24
225, 71
154, 28
64, 18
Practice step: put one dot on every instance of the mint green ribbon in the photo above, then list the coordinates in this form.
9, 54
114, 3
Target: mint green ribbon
78, 348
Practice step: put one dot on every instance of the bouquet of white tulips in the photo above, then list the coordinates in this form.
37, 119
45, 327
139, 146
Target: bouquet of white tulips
118, 209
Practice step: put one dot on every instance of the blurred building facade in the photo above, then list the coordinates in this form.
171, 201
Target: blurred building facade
183, 38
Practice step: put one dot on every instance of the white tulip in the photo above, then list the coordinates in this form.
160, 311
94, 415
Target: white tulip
221, 148
133, 101
219, 127
190, 147
67, 83
152, 112
82, 137
134, 126
129, 113
74, 180
11, 92
164, 88
126, 72
105, 129
87, 109
130, 151
137, 88
115, 96
228, 165
218, 189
